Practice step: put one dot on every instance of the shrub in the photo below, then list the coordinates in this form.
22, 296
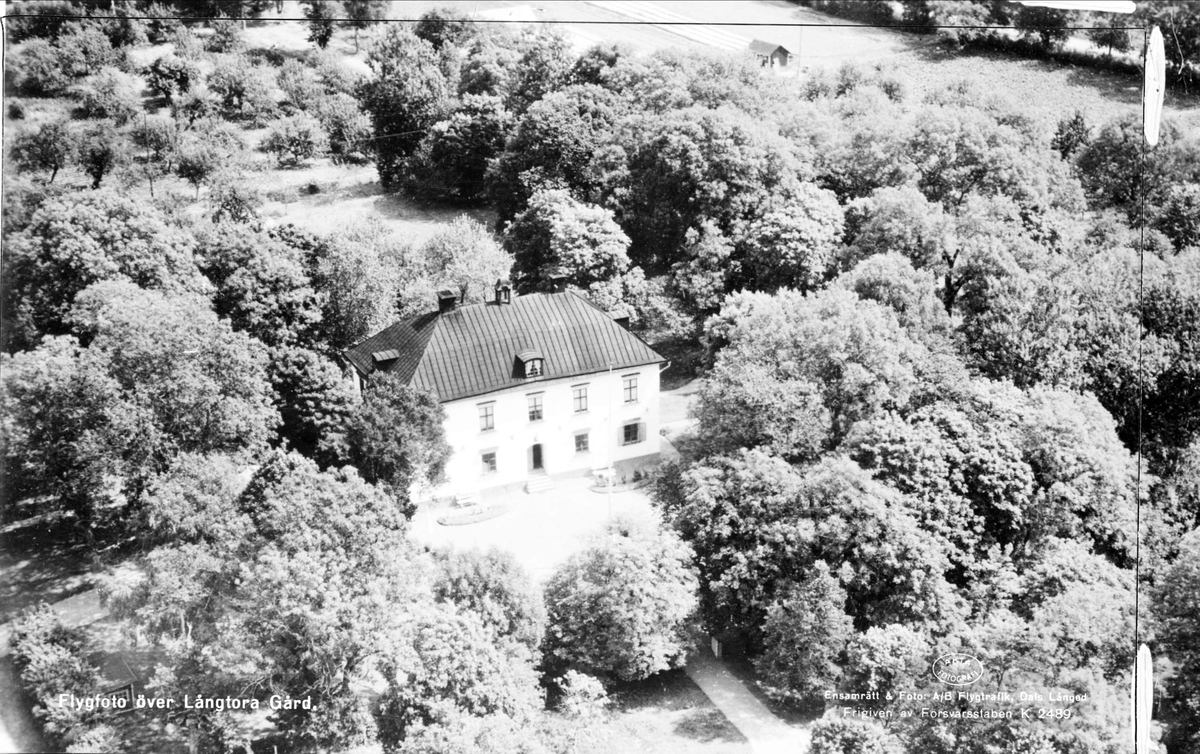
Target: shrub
163, 23
109, 94
226, 37
187, 45
347, 127
51, 660
43, 19
38, 70
235, 202
299, 83
16, 110
245, 90
84, 49
295, 139
170, 76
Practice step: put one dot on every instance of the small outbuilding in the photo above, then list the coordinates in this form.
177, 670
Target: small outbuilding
776, 56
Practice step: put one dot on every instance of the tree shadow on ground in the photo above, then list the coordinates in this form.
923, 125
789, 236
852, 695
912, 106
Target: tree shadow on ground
40, 561
672, 691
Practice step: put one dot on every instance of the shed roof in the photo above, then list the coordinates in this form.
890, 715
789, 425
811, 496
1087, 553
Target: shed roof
760, 47
473, 350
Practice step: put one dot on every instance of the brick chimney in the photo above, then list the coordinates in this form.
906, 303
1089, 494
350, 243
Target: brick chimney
446, 301
503, 291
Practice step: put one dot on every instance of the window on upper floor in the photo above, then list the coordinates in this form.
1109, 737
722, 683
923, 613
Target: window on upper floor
535, 408
630, 388
487, 417
533, 368
579, 397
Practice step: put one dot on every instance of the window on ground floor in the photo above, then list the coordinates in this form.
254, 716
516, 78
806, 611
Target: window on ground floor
489, 463
581, 443
631, 434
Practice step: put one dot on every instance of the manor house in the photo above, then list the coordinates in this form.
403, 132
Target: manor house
533, 386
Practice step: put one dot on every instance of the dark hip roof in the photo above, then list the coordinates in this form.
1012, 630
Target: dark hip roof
473, 349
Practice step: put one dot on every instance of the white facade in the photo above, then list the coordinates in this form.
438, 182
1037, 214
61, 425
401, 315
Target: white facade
616, 412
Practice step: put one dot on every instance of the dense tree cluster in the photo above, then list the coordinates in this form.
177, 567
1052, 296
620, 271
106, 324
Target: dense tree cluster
933, 345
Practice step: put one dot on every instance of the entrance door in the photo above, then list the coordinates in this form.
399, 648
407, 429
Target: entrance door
537, 457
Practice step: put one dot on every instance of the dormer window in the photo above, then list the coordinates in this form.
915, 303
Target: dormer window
532, 363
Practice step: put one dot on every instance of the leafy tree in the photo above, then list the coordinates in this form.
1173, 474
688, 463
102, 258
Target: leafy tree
886, 658
443, 26
235, 201
1021, 327
320, 15
559, 236
262, 286
693, 165
1111, 170
490, 65
300, 83
80, 239
794, 245
891, 280
159, 136
1108, 31
544, 66
1071, 135
295, 139
1049, 25
38, 70
1171, 312
83, 48
837, 734
899, 220
805, 634
407, 94
1179, 23
244, 89
1176, 608
292, 586
111, 94
362, 14
228, 35
756, 522
493, 586
346, 126
964, 150
451, 161
701, 279
101, 150
359, 273
1179, 216
314, 399
619, 610
160, 376
554, 145
455, 671
465, 256
468, 734
170, 76
396, 437
49, 148
850, 354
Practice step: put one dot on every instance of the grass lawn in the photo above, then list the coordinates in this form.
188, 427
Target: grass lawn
663, 715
